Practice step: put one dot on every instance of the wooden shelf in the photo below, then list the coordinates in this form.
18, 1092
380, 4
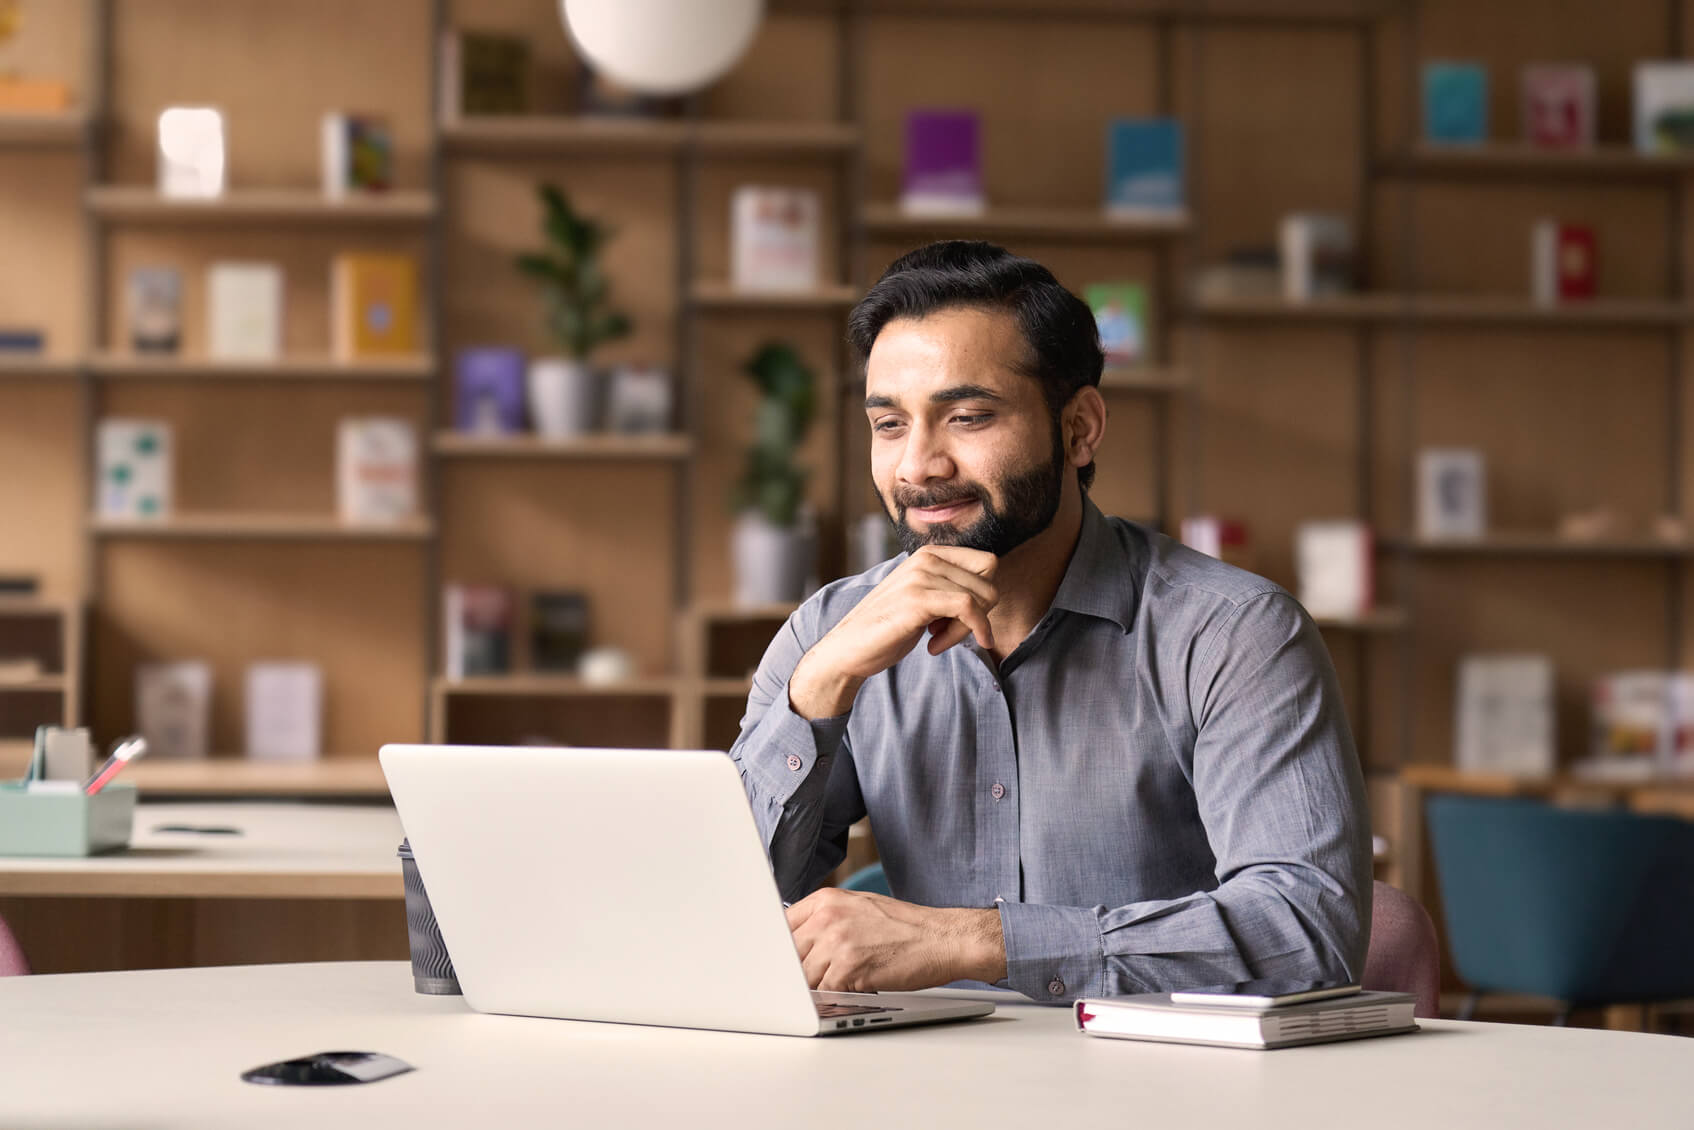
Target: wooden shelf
724, 296
42, 131
730, 613
1461, 310
258, 527
1377, 620
1536, 544
656, 137
1513, 161
461, 445
1024, 223
1143, 378
141, 366
138, 204
349, 776
28, 366
47, 683
726, 688
541, 685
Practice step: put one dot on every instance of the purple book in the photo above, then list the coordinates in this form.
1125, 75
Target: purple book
943, 162
489, 391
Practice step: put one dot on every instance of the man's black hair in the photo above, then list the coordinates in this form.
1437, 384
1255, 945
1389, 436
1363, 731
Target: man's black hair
1064, 342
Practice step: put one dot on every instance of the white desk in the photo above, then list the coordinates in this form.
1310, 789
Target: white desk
175, 1042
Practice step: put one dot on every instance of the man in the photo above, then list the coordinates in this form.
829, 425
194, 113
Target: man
1115, 766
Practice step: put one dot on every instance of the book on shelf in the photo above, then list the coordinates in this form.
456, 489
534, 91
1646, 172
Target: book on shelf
1317, 255
488, 390
1504, 715
1244, 273
1563, 262
1664, 107
943, 174
1558, 105
21, 339
33, 95
154, 309
477, 623
1120, 313
774, 238
1455, 102
1452, 493
558, 630
1643, 725
1144, 168
133, 468
16, 585
244, 311
191, 153
173, 708
1335, 562
358, 154
374, 306
638, 400
376, 470
284, 711
1223, 538
1158, 1018
483, 73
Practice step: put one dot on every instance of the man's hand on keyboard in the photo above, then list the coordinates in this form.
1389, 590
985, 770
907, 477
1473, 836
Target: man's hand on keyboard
857, 942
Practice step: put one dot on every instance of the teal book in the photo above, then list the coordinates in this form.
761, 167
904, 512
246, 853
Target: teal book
1144, 167
1455, 103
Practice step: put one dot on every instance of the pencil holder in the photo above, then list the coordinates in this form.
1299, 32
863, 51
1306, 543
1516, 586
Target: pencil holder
62, 820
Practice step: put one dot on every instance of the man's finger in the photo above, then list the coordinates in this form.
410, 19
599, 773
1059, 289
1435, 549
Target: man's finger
978, 586
977, 561
800, 911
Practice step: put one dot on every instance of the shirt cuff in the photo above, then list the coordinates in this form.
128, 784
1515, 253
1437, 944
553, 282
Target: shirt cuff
790, 747
1054, 954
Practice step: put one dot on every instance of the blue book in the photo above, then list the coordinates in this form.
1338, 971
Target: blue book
21, 340
1455, 103
1144, 169
488, 390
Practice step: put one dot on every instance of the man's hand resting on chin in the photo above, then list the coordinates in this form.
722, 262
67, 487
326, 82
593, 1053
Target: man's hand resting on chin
857, 942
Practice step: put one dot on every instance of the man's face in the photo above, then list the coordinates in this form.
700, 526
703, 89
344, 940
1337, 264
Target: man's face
963, 449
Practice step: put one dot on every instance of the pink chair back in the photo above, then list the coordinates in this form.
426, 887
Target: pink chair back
1404, 956
12, 961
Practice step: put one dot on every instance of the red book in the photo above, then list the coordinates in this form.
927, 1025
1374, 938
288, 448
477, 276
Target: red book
1565, 262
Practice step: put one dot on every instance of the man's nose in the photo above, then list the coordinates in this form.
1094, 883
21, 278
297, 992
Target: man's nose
925, 457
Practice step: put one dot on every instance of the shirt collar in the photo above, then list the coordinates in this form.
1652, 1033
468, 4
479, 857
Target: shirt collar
1100, 579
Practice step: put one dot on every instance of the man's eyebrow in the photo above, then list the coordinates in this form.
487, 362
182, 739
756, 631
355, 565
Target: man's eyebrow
941, 396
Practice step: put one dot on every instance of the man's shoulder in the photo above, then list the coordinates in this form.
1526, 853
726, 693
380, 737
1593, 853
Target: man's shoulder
1173, 573
824, 609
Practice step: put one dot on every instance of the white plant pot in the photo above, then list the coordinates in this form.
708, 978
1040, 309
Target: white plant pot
772, 563
564, 397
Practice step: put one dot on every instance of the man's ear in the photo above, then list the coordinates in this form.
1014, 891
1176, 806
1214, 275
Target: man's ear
1084, 425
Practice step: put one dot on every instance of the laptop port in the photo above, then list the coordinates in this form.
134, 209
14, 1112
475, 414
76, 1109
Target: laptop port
881, 1019
859, 1023
841, 1024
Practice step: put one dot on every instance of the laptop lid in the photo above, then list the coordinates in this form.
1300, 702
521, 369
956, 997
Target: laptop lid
601, 884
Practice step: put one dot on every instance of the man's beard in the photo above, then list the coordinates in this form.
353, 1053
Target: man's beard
1031, 502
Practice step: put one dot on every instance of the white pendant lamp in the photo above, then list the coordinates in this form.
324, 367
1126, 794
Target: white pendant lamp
663, 47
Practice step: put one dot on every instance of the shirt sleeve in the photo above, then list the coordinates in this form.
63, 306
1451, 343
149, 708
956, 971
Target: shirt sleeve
798, 773
1281, 794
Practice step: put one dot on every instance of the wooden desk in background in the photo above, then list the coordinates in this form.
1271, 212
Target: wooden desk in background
302, 882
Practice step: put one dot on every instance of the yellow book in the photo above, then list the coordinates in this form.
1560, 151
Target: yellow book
374, 306
33, 95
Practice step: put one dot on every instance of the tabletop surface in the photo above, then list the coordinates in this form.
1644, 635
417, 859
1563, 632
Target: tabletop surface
167, 1048
283, 850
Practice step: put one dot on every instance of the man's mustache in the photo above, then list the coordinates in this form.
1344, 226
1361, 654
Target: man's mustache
920, 500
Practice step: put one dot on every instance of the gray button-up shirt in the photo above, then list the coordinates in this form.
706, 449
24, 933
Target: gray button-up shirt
1158, 787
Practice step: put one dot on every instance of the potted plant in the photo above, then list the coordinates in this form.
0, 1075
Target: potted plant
563, 391
773, 543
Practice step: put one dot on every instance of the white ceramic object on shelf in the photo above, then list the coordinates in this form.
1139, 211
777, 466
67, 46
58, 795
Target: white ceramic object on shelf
603, 666
773, 563
662, 46
564, 397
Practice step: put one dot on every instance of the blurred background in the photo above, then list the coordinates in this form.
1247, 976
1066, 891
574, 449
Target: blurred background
397, 370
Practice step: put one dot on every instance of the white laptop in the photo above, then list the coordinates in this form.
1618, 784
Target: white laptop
616, 884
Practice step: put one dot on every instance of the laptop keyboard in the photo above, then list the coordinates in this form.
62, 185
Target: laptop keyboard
829, 1010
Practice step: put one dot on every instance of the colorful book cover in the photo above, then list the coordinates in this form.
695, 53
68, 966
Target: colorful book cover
376, 470
284, 711
133, 468
1455, 103
943, 163
1564, 262
638, 400
1120, 312
191, 154
375, 306
21, 339
477, 620
155, 309
558, 627
244, 307
1558, 105
483, 73
774, 238
488, 390
1664, 107
358, 154
1144, 167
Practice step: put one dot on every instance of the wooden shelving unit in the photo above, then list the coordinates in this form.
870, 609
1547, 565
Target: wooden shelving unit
1061, 224
138, 205
1144, 379
1516, 161
458, 445
140, 366
538, 685
32, 366
588, 136
43, 131
723, 296
51, 632
1454, 310
1536, 544
354, 776
260, 527
1376, 620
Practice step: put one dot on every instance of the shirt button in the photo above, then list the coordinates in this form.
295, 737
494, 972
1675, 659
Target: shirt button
1056, 987
794, 761
998, 791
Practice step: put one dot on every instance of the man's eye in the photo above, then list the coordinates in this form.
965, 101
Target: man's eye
885, 425
970, 421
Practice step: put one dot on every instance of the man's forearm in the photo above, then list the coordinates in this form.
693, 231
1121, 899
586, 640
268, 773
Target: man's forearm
979, 948
817, 689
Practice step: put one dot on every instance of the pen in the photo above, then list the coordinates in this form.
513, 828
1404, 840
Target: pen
125, 752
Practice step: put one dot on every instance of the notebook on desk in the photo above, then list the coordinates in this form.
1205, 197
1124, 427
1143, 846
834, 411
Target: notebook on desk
616, 885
